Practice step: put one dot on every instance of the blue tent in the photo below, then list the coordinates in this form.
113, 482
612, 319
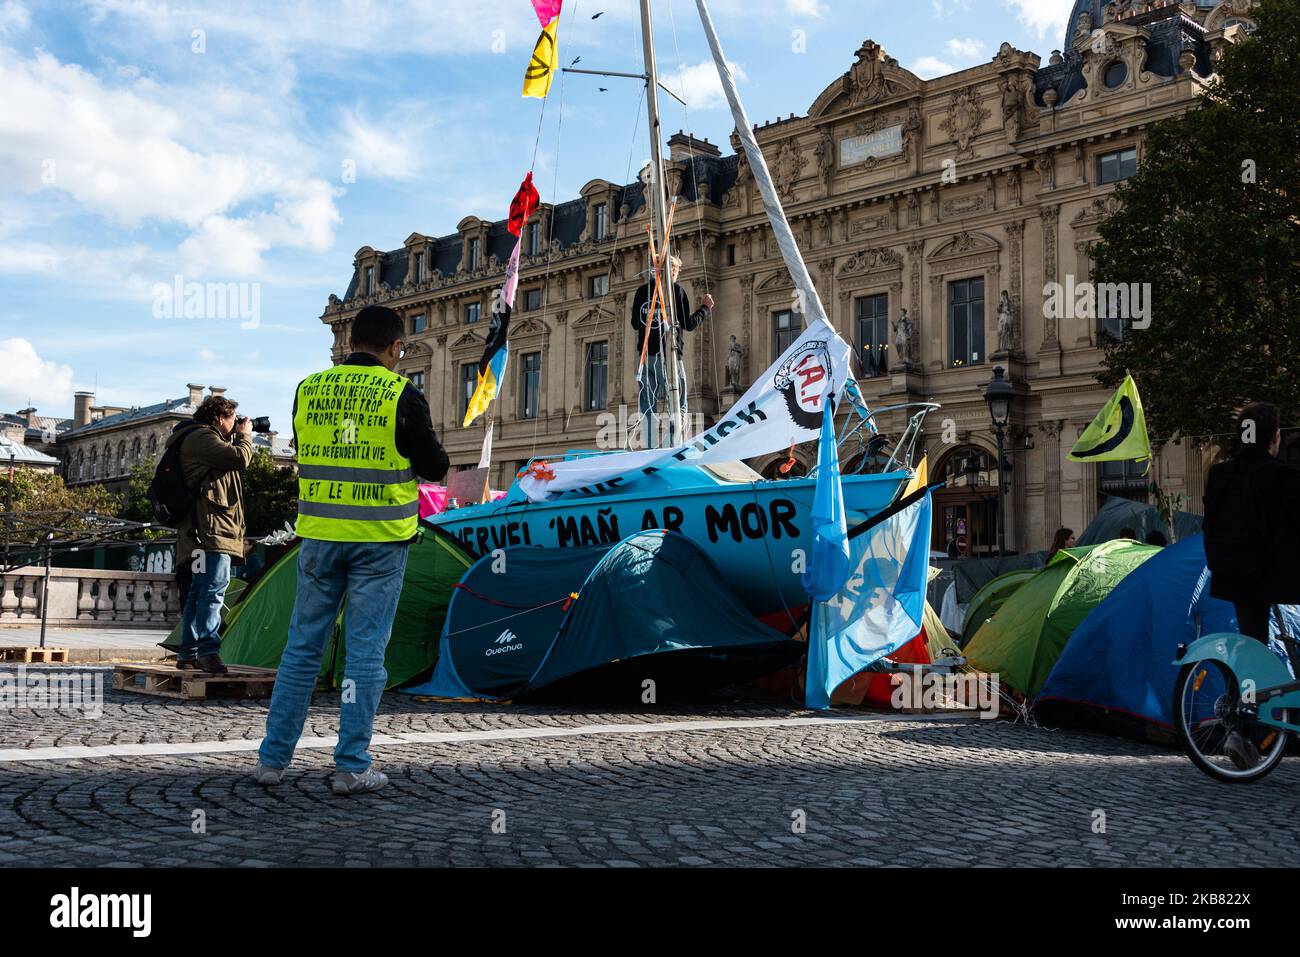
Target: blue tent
1120, 658
604, 618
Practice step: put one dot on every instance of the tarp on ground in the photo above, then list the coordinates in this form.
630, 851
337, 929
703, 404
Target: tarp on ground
1120, 658
1022, 642
991, 597
1119, 513
258, 631
654, 605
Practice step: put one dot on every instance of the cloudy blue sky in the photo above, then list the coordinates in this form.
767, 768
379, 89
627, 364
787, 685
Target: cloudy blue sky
142, 140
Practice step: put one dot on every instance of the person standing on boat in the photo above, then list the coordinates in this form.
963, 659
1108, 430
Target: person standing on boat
363, 434
654, 379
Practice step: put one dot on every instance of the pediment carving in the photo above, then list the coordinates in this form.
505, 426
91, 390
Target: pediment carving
966, 243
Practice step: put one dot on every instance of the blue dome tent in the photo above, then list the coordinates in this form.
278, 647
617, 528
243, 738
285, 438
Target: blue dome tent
1119, 660
603, 619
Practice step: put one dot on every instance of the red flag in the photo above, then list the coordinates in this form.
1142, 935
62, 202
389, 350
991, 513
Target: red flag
523, 205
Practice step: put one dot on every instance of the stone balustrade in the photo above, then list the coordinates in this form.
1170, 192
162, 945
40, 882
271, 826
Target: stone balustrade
87, 596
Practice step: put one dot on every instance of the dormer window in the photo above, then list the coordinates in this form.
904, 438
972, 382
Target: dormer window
1115, 75
419, 267
475, 253
602, 221
534, 238
370, 280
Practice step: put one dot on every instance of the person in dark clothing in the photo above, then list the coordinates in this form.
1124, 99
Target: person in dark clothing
1157, 538
1252, 537
1064, 538
1252, 523
654, 380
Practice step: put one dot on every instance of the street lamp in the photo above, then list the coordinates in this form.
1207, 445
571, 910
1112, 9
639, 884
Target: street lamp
998, 395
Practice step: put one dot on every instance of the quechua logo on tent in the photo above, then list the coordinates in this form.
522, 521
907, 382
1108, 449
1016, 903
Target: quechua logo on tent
506, 641
802, 380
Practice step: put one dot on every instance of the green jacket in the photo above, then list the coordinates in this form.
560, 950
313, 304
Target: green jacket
213, 469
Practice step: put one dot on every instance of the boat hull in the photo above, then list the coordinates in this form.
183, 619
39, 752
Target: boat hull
758, 534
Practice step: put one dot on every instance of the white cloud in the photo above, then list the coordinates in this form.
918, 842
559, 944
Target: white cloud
28, 377
135, 152
14, 17
928, 67
805, 8
968, 49
699, 84
378, 150
1043, 16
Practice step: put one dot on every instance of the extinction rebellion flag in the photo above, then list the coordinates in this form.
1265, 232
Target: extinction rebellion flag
541, 68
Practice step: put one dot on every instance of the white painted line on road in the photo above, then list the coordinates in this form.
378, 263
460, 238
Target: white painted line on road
182, 748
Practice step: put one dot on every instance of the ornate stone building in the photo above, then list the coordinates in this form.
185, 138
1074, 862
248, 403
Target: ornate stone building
932, 214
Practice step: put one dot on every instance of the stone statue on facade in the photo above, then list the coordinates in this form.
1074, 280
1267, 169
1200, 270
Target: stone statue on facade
902, 340
1006, 325
1012, 104
735, 353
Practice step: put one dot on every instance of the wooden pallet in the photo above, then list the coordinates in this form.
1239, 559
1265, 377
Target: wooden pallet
34, 656
168, 681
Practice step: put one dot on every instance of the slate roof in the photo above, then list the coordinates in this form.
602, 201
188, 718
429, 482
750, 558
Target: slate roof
714, 176
171, 407
1171, 33
23, 454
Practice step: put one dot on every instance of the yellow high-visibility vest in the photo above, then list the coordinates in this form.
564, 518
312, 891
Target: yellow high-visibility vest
353, 485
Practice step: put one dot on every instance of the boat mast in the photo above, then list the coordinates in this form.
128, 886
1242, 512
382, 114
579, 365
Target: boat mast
659, 223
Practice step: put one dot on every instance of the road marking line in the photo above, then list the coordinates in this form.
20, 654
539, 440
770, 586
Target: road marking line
181, 748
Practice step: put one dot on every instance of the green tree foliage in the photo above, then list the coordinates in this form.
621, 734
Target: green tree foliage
35, 491
1212, 221
136, 507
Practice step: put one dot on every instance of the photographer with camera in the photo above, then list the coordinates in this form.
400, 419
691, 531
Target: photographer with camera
214, 450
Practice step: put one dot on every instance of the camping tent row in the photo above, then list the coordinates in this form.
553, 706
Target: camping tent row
518, 621
652, 608
1096, 631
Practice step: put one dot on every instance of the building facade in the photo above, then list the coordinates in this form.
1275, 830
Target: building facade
933, 215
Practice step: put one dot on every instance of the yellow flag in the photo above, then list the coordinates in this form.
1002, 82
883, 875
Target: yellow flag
542, 67
1118, 433
922, 477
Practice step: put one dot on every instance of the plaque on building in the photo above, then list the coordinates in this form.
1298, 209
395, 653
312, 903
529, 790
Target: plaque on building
877, 145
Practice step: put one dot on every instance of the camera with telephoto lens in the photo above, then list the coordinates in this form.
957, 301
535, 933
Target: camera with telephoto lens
261, 424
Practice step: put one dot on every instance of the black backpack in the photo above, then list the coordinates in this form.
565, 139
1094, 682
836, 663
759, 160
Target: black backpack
169, 497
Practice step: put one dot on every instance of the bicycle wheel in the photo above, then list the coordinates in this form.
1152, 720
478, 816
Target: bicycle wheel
1207, 709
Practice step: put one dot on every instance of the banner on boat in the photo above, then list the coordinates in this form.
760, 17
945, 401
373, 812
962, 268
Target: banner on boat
880, 606
783, 408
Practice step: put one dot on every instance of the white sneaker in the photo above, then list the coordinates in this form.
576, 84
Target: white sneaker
268, 776
345, 782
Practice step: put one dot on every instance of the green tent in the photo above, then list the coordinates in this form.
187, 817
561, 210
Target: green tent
257, 628
985, 603
1023, 639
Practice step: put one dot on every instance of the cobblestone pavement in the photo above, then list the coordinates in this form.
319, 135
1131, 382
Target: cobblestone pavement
883, 791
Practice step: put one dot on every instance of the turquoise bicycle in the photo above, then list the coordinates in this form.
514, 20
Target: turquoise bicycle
1236, 704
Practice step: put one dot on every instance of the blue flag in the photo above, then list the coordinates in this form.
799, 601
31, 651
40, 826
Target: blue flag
880, 606
829, 566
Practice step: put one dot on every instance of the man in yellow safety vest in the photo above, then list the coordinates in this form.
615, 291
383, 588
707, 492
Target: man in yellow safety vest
363, 434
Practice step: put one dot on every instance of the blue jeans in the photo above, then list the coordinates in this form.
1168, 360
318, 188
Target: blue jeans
370, 575
653, 387
201, 617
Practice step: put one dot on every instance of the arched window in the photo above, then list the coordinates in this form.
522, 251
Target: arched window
969, 467
135, 450
81, 464
153, 446
94, 463
121, 457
